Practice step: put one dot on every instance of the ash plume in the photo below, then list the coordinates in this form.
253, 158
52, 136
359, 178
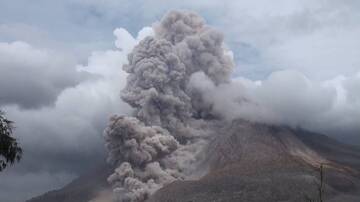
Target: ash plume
163, 140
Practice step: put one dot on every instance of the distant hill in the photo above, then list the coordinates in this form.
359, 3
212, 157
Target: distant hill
81, 189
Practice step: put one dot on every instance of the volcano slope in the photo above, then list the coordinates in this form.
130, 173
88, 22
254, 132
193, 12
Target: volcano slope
256, 162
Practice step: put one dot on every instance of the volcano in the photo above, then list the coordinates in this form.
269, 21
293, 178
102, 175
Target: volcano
250, 162
179, 145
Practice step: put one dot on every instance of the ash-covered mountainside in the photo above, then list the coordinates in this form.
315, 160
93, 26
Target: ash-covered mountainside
234, 179
256, 162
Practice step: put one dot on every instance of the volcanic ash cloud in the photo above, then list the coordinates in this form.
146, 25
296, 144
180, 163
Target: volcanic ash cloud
163, 140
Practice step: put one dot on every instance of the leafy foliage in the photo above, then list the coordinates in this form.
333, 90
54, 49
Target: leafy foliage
10, 151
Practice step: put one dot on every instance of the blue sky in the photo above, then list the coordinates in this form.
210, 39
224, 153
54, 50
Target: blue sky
43, 43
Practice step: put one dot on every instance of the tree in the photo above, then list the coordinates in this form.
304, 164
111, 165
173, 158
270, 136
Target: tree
10, 151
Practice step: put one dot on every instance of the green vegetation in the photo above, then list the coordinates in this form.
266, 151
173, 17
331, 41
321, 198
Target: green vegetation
10, 151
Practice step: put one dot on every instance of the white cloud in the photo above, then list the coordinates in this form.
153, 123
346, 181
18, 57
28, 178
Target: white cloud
290, 98
124, 40
31, 77
55, 138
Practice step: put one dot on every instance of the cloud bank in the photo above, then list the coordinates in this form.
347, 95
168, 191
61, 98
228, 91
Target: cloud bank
60, 131
289, 98
31, 77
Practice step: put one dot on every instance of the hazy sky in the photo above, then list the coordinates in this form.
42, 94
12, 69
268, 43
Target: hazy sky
60, 112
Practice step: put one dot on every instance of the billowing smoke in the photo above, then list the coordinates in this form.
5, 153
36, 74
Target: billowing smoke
163, 140
180, 88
